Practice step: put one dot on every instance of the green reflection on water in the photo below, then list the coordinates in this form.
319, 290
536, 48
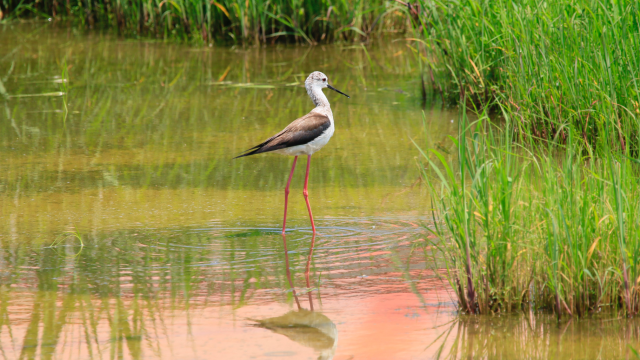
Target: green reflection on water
146, 132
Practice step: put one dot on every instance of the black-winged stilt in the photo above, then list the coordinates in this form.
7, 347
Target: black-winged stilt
304, 136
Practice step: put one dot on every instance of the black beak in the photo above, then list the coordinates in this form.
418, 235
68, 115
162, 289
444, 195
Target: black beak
338, 91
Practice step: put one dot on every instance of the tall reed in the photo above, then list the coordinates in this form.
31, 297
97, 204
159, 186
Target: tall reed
551, 207
559, 65
546, 227
226, 20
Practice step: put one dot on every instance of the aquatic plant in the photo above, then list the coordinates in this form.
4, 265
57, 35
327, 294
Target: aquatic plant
225, 20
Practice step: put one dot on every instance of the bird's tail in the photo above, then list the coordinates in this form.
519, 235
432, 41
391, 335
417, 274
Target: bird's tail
254, 150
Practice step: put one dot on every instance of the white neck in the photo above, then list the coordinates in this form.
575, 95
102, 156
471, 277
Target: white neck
317, 96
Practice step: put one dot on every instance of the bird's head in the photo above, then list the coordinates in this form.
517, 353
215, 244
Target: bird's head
319, 80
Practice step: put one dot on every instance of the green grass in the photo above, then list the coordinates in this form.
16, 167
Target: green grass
539, 208
535, 226
229, 21
559, 66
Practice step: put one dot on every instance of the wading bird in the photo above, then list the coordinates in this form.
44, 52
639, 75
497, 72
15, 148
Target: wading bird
304, 136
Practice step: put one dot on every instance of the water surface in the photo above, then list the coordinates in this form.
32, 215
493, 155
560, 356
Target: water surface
127, 147
146, 132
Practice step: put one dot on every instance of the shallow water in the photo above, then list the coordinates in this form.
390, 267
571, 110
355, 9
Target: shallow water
127, 146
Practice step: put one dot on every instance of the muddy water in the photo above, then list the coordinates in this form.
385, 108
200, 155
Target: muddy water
126, 147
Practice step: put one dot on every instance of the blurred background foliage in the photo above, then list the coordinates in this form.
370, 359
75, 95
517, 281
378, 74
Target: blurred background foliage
229, 21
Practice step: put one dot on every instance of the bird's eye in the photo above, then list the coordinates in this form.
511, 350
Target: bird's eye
325, 79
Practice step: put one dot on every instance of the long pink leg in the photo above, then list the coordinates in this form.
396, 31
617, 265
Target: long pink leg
305, 192
286, 194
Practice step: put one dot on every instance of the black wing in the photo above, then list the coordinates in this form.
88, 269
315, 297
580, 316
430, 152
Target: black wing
299, 132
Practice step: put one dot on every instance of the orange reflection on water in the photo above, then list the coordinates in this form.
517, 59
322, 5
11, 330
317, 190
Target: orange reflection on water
376, 326
374, 317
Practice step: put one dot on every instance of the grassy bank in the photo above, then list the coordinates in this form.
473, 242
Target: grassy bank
539, 207
228, 21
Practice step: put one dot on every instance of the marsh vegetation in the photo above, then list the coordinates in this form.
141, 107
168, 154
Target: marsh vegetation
541, 202
226, 21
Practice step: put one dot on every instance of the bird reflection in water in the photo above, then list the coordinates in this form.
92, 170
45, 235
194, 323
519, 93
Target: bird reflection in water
306, 327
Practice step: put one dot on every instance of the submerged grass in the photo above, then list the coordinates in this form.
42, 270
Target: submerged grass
234, 21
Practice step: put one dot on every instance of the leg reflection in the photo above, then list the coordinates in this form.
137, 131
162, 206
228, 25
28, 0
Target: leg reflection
306, 327
288, 270
306, 272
